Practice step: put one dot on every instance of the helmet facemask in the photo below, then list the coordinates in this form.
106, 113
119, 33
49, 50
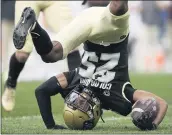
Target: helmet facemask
82, 109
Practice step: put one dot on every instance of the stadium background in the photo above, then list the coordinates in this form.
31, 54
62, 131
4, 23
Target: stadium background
147, 55
150, 61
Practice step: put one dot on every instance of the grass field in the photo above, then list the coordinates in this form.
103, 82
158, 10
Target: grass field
25, 119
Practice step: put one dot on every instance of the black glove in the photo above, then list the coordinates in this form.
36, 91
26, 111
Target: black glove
58, 127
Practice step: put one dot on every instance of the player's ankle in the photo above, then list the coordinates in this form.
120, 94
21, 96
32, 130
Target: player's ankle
33, 26
11, 83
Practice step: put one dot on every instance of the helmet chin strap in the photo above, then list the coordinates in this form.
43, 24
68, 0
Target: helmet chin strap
100, 115
102, 119
89, 123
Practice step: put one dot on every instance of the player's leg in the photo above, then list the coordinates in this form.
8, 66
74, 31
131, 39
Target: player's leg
53, 86
63, 10
63, 13
44, 46
118, 98
140, 94
48, 50
40, 37
43, 95
7, 26
18, 59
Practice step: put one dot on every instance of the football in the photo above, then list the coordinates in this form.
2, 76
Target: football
144, 113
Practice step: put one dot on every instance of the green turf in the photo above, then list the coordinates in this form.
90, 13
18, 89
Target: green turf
25, 119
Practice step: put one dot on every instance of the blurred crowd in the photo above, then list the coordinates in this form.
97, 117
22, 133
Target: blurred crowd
150, 44
151, 31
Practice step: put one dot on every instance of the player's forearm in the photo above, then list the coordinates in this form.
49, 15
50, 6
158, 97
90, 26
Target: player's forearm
162, 110
139, 94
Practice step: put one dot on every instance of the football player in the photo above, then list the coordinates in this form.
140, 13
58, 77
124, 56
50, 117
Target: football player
104, 32
19, 58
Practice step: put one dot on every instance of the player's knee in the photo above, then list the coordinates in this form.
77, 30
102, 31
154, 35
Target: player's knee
46, 59
49, 88
50, 58
55, 54
126, 111
39, 90
22, 56
44, 88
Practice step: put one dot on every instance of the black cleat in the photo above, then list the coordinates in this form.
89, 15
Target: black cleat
27, 19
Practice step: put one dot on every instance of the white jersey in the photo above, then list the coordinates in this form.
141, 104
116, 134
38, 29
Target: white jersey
97, 25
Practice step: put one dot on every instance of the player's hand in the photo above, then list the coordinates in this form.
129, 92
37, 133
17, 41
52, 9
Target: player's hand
58, 127
144, 122
147, 126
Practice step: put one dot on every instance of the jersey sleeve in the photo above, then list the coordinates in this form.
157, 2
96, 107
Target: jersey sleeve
75, 33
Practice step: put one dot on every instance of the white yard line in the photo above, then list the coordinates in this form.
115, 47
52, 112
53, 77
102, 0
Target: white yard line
116, 118
22, 117
39, 117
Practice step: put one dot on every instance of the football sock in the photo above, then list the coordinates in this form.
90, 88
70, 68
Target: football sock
15, 67
43, 93
41, 40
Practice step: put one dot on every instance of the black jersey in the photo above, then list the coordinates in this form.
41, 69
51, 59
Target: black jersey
105, 63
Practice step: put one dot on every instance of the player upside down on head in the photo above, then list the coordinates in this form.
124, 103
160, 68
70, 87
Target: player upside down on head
104, 32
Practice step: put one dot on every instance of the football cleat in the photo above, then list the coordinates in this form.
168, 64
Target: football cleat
26, 21
8, 99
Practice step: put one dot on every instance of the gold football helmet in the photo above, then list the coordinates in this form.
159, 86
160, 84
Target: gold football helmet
82, 110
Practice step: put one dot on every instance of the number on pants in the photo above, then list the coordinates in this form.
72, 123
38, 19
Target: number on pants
102, 73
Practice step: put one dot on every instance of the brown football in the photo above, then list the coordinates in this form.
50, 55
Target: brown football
149, 106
